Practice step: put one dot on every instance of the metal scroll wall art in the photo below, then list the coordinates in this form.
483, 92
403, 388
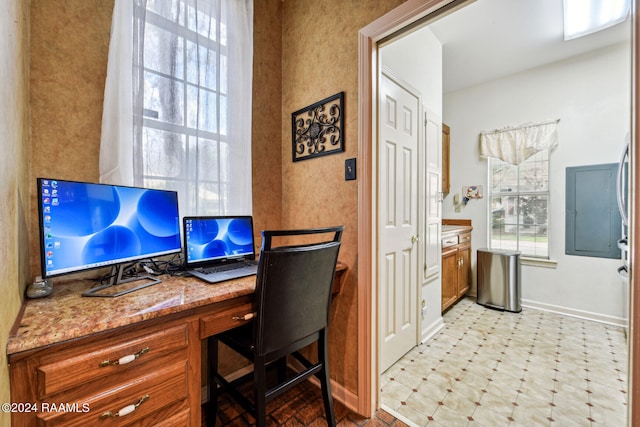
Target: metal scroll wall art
317, 130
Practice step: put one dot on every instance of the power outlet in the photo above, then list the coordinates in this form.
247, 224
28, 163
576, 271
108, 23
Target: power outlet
350, 169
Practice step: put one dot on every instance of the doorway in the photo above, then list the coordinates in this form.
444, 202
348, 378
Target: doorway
370, 36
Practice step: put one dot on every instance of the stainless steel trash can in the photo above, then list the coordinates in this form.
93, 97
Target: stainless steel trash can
499, 279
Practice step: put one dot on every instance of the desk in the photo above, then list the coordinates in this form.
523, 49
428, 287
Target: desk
57, 352
77, 360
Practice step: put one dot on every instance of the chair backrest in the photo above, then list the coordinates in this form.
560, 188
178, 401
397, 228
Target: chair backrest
293, 289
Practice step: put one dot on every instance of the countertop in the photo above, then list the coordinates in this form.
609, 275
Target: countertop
66, 314
455, 229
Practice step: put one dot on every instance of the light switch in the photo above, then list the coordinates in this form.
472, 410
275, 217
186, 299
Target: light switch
350, 169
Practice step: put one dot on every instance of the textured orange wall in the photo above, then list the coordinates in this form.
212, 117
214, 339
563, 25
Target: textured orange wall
320, 59
14, 175
69, 47
267, 88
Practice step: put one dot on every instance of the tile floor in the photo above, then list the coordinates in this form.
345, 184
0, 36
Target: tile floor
492, 368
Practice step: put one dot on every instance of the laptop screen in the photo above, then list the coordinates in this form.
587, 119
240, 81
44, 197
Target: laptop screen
215, 239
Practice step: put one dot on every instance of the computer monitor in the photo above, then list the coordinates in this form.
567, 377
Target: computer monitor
87, 225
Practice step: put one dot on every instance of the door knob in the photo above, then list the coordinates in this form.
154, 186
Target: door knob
414, 239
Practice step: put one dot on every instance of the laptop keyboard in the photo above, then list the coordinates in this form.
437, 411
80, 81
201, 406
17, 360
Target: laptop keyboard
226, 267
221, 273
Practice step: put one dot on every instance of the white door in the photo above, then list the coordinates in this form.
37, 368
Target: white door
430, 244
397, 219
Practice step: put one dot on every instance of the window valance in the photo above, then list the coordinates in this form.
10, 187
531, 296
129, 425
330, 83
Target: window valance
516, 144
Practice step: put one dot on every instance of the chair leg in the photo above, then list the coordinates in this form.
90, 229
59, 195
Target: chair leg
325, 381
260, 391
212, 405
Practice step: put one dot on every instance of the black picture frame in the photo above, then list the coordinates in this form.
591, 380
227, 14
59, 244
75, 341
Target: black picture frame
318, 130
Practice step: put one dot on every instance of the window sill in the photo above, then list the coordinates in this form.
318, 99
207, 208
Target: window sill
538, 262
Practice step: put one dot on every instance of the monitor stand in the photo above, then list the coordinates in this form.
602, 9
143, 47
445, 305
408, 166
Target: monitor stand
116, 279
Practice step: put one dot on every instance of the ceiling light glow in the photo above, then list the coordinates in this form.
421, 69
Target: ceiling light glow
582, 17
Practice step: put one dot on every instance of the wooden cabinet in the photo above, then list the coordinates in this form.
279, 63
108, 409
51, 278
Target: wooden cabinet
456, 263
446, 141
133, 376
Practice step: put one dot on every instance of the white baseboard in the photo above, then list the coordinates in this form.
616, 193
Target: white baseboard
586, 315
432, 329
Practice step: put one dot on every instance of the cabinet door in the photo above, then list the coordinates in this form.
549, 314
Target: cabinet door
464, 270
449, 277
431, 203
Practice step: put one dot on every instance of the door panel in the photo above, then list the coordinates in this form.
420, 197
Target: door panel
389, 313
389, 178
408, 169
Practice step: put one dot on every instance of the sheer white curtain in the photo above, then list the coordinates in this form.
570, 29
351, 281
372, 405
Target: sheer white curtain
516, 144
177, 107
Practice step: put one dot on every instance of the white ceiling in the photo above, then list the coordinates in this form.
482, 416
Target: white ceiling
489, 39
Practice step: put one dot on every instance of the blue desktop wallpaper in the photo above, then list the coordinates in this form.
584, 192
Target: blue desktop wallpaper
91, 225
209, 239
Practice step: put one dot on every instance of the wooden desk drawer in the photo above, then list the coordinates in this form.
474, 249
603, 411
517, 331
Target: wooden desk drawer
464, 238
224, 320
449, 241
64, 370
144, 396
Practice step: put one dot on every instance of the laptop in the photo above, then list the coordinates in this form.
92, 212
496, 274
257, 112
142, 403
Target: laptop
219, 248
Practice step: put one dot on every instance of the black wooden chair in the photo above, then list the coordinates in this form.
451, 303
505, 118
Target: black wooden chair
292, 305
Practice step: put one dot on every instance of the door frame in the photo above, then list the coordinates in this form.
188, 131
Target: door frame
409, 14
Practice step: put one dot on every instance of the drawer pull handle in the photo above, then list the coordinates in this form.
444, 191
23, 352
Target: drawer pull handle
247, 316
126, 410
124, 359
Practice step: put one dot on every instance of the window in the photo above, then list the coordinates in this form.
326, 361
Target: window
519, 204
180, 118
185, 141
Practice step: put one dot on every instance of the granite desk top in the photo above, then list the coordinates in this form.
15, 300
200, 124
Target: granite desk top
66, 314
